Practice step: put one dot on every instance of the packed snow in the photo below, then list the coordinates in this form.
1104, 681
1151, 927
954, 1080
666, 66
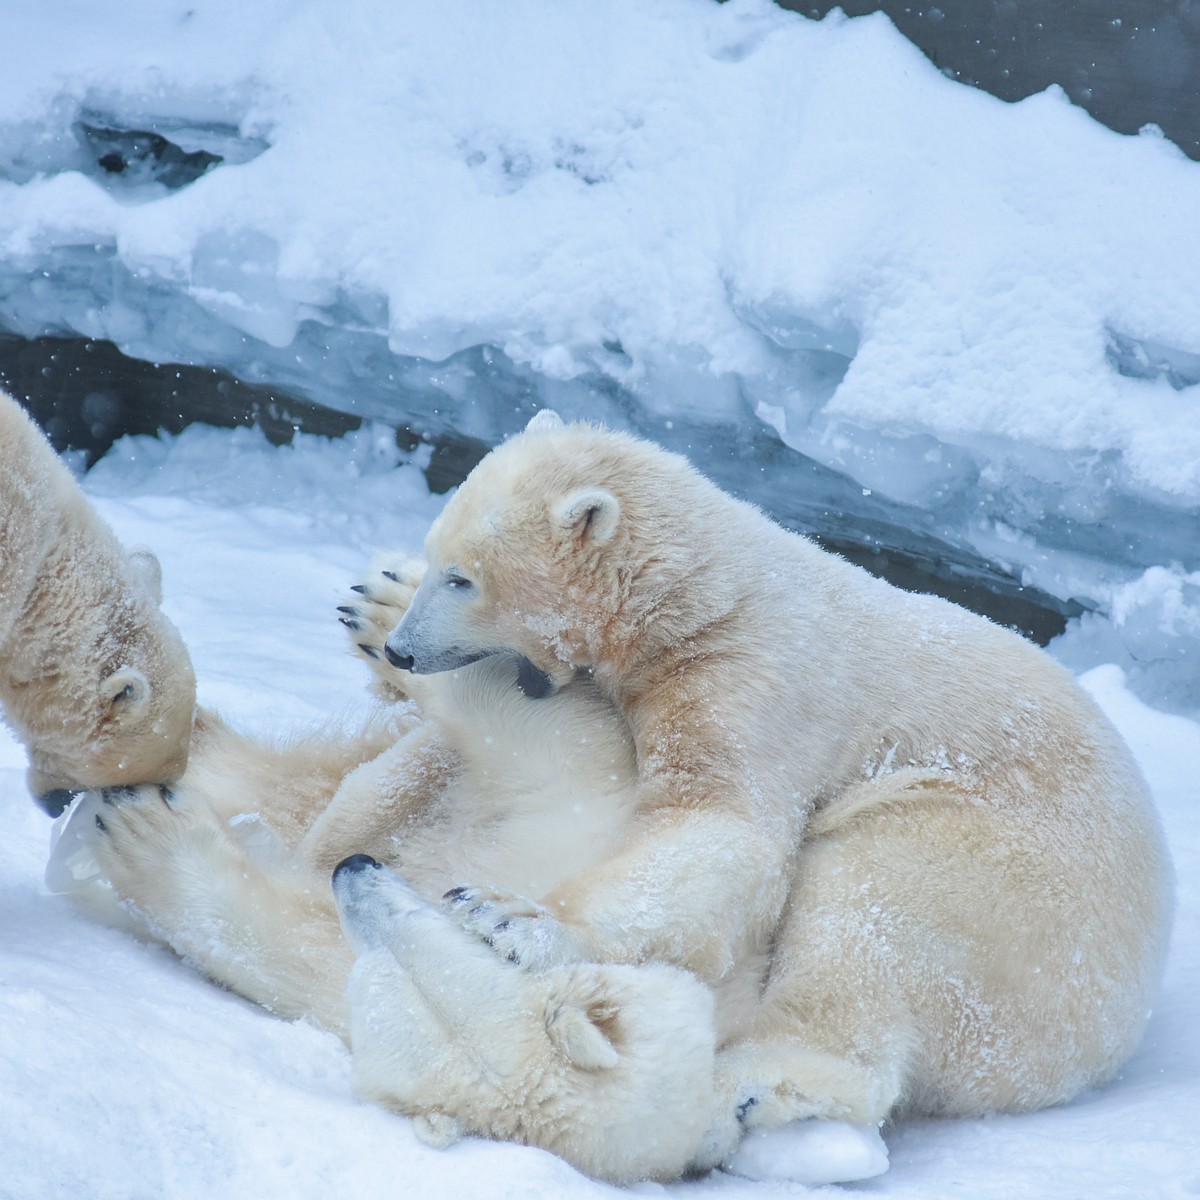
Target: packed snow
125, 1074
698, 220
707, 222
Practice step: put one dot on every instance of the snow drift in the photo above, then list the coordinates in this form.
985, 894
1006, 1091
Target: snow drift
717, 224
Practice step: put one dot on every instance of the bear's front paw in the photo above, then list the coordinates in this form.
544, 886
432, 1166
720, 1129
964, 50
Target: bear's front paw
145, 808
519, 930
375, 610
158, 853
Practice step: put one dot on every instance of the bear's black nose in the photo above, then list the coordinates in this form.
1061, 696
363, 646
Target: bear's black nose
56, 802
402, 662
355, 863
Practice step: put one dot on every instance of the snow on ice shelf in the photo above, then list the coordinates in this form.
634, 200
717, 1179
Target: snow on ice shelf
724, 225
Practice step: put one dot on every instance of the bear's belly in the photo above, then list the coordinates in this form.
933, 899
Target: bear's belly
536, 844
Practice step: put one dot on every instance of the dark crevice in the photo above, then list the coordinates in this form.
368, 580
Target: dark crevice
86, 394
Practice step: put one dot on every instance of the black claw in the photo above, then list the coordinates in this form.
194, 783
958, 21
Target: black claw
360, 588
348, 608
166, 795
392, 576
121, 794
743, 1108
100, 825
501, 925
369, 651
456, 895
351, 624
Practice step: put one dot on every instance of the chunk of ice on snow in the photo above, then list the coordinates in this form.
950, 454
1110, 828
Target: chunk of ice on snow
811, 1152
72, 864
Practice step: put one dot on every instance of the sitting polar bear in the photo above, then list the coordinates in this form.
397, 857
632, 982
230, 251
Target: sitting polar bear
909, 862
946, 852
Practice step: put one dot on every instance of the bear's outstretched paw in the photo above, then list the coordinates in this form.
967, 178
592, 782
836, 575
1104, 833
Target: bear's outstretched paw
812, 1152
149, 845
374, 611
519, 930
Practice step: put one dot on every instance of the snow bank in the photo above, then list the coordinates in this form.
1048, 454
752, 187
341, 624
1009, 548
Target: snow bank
662, 213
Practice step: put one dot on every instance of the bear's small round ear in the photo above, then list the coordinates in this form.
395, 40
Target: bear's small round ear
125, 691
148, 570
545, 421
589, 516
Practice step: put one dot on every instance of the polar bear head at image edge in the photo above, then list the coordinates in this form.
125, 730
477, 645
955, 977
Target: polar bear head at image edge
94, 680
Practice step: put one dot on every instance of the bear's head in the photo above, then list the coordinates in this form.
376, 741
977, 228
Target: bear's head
110, 696
554, 544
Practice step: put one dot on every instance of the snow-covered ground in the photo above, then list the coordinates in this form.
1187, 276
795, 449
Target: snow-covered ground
125, 1075
722, 224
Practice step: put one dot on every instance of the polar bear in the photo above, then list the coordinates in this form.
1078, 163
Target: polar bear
946, 851
94, 679
909, 861
610, 1066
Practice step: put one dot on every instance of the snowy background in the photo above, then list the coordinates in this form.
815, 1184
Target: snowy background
857, 291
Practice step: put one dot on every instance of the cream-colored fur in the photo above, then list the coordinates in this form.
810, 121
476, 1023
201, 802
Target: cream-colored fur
603, 1065
94, 679
949, 854
911, 861
608, 1066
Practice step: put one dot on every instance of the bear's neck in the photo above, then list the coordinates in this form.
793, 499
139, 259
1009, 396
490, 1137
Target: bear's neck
686, 587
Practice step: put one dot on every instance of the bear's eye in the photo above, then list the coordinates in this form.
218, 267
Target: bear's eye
457, 581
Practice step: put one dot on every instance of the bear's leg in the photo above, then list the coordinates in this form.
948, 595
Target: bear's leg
833, 1045
244, 914
377, 801
911, 968
287, 783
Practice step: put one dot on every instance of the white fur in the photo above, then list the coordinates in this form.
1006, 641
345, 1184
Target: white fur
912, 863
601, 1065
950, 856
93, 678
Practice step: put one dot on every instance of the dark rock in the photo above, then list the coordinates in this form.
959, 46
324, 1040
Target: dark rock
1129, 63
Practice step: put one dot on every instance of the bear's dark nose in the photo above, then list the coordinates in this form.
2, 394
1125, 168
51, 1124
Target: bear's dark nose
402, 662
56, 802
355, 863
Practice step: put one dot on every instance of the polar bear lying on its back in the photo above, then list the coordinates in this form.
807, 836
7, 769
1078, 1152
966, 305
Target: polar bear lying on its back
605, 1065
909, 860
